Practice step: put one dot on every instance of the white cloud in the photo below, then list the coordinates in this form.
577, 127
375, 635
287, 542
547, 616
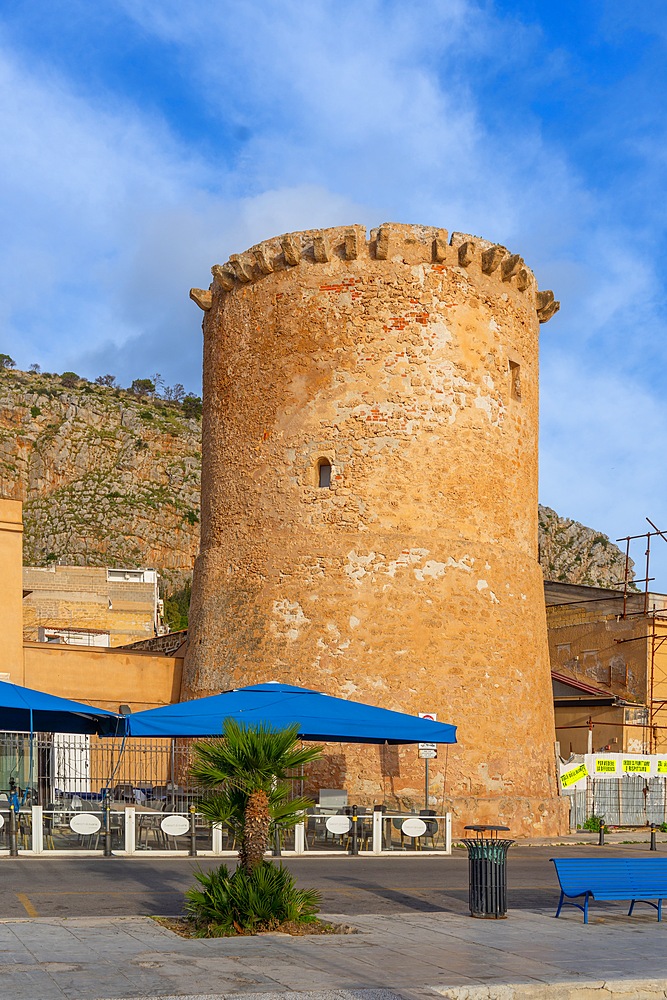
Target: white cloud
338, 113
600, 453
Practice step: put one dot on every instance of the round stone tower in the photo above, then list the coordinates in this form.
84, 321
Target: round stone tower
369, 504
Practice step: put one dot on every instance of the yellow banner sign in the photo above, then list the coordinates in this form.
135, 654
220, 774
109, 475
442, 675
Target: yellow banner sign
605, 766
631, 766
568, 778
662, 767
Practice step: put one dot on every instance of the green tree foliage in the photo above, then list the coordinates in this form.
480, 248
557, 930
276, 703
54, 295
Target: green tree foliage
177, 607
143, 387
70, 380
6, 361
192, 406
251, 769
109, 380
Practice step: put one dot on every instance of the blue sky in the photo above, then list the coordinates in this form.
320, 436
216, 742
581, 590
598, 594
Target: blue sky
143, 142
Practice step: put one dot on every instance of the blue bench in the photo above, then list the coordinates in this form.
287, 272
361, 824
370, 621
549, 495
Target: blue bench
640, 880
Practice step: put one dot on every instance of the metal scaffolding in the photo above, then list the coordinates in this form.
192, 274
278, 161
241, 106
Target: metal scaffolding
656, 672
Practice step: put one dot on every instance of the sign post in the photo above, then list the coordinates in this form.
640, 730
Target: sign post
427, 752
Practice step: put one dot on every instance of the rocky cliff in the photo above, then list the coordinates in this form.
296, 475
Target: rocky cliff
106, 476
572, 553
109, 477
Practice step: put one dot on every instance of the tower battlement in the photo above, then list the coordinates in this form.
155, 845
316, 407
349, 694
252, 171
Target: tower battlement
395, 243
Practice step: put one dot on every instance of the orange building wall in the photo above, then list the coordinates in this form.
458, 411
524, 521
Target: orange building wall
105, 678
11, 538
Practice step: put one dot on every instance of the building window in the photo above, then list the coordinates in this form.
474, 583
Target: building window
324, 474
515, 380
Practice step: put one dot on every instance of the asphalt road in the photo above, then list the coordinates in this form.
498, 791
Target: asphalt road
64, 887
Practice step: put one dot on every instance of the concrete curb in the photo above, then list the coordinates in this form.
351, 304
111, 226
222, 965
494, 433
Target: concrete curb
618, 989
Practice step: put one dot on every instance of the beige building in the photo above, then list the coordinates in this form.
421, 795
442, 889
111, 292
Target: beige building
105, 677
91, 605
614, 644
369, 504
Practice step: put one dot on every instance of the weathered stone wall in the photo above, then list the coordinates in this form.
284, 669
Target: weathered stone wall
410, 364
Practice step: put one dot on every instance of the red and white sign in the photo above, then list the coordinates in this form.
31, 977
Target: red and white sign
428, 751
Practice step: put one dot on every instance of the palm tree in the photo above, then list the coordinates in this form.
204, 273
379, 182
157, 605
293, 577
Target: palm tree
250, 768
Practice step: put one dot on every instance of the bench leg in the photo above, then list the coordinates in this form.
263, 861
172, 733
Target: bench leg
656, 906
586, 907
560, 903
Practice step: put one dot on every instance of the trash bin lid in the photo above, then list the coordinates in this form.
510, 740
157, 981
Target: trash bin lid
480, 827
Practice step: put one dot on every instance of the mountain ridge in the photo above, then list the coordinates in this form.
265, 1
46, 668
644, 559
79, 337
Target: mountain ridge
111, 476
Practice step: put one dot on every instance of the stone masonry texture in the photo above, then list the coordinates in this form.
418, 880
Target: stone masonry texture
409, 364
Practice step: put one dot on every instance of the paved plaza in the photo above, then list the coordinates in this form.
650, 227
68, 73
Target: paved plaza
414, 937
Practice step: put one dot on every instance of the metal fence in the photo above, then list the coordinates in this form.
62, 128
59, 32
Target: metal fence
63, 793
628, 801
82, 827
51, 767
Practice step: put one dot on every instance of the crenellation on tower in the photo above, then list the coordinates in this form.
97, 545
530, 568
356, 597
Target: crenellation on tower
391, 242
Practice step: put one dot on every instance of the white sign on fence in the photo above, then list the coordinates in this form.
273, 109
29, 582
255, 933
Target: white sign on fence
338, 824
85, 824
175, 826
413, 827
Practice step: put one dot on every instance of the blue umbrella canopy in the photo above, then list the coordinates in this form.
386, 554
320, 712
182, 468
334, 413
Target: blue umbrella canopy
319, 717
23, 710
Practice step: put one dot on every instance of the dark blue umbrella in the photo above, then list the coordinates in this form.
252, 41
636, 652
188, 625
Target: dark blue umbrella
319, 717
23, 710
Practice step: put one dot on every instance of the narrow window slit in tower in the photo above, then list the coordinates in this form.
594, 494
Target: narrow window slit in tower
515, 379
324, 474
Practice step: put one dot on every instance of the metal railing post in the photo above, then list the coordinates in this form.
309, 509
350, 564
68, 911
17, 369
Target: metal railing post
654, 846
216, 838
354, 844
130, 830
300, 838
378, 819
601, 836
37, 830
193, 832
107, 828
13, 844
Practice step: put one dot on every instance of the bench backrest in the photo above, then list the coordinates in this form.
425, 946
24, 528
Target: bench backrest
633, 876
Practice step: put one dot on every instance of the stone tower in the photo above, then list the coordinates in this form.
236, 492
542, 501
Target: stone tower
369, 503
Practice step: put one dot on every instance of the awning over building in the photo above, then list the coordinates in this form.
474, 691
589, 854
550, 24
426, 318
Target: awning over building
569, 693
23, 710
319, 717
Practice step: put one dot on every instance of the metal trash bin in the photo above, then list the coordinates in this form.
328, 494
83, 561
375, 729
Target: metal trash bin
487, 857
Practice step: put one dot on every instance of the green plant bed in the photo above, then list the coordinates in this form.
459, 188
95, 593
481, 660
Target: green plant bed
248, 902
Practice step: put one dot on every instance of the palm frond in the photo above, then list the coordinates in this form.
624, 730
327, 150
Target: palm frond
251, 757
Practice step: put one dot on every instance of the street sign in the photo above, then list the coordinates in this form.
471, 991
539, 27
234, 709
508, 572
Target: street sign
428, 751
